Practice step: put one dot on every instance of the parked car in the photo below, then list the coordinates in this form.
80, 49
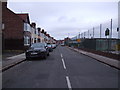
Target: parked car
54, 46
62, 44
37, 50
49, 47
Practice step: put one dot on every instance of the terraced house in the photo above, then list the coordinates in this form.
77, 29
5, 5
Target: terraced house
17, 29
18, 33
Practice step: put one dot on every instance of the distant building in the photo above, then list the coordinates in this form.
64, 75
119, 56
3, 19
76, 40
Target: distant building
39, 34
34, 33
16, 31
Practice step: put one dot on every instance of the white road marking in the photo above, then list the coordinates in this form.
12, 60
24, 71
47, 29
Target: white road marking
61, 55
68, 83
63, 63
67, 78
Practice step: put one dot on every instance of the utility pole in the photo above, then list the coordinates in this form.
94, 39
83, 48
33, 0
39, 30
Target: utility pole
79, 35
119, 19
110, 41
68, 35
100, 30
88, 34
111, 29
100, 36
93, 31
84, 34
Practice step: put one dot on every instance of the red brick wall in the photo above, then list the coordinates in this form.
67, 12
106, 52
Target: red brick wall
13, 35
13, 25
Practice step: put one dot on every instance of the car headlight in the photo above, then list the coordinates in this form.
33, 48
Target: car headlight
27, 51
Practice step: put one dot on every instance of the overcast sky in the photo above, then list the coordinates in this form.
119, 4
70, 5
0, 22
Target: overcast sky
61, 19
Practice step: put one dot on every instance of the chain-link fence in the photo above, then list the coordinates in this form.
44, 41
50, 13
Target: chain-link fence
95, 38
99, 31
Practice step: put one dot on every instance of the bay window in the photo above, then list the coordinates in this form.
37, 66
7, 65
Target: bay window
27, 27
26, 41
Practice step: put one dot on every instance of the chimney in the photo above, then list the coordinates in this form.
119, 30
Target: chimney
39, 29
4, 4
33, 25
45, 33
42, 31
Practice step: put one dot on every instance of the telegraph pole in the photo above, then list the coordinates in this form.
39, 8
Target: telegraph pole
110, 36
88, 34
111, 29
68, 39
79, 35
93, 31
100, 30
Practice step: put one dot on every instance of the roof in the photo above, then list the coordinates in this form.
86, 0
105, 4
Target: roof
25, 17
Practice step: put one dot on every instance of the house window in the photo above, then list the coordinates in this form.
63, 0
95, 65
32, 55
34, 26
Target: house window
27, 27
35, 32
3, 26
26, 40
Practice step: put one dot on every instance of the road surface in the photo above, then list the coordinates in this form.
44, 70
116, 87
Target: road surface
64, 68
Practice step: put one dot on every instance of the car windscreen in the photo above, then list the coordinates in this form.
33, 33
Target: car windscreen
37, 45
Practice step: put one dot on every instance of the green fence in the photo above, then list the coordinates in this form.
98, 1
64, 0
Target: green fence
96, 44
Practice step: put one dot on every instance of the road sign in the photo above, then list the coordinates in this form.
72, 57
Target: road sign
118, 29
78, 40
107, 32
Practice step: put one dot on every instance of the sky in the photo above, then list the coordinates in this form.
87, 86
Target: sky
63, 19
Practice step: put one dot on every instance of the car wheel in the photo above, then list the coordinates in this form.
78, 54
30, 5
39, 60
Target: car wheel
27, 58
48, 54
45, 56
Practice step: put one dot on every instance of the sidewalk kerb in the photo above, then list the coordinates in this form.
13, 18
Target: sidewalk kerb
11, 65
19, 59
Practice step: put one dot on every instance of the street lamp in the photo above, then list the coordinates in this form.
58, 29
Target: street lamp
88, 34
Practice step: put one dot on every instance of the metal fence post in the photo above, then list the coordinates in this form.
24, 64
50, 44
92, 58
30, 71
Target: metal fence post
100, 30
93, 31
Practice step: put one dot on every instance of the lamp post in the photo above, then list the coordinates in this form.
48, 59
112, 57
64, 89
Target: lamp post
111, 29
88, 34
68, 39
93, 31
100, 30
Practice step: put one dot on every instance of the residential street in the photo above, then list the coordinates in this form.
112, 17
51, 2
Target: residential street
64, 68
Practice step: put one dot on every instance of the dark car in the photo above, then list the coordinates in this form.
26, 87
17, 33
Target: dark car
37, 50
50, 47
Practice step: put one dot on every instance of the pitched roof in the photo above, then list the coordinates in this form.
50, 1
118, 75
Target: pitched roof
25, 17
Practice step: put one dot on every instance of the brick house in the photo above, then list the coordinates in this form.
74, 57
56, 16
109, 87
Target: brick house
34, 33
17, 30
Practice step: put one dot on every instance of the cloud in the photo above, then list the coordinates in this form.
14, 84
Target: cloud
62, 18
66, 19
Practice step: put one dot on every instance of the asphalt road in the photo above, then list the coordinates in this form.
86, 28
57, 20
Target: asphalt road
64, 68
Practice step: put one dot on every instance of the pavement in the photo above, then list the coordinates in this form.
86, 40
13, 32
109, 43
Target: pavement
12, 61
64, 68
109, 61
